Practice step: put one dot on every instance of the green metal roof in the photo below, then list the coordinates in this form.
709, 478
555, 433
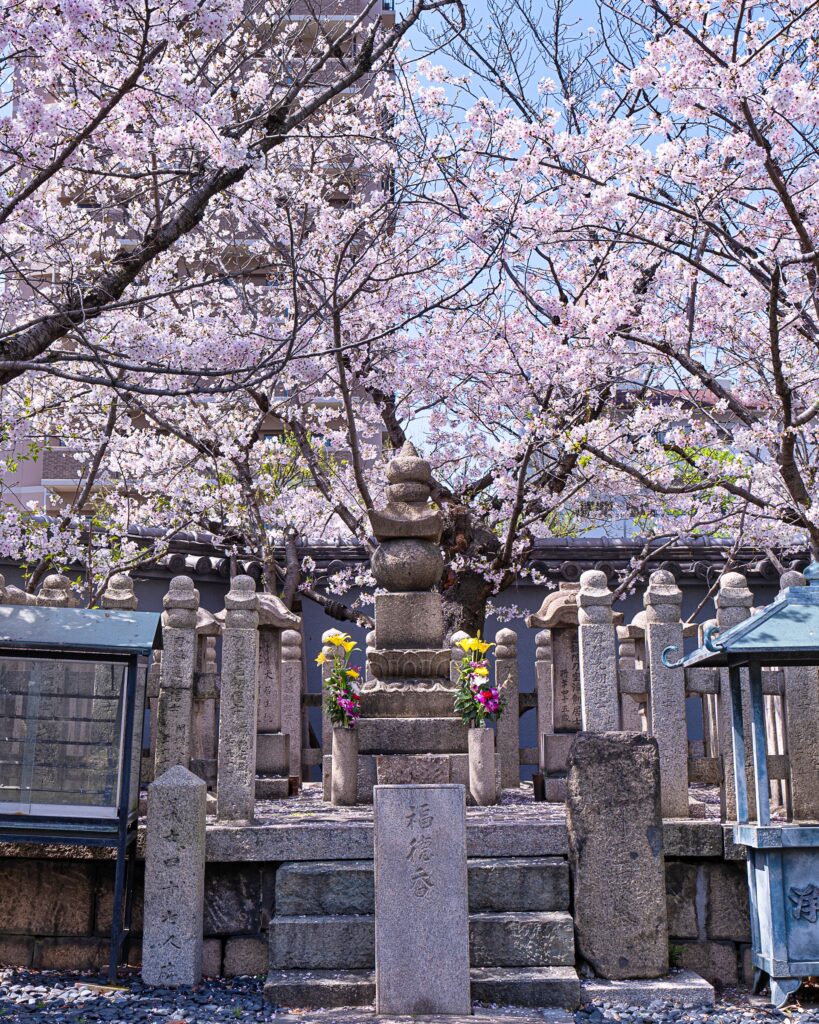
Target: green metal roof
78, 629
786, 631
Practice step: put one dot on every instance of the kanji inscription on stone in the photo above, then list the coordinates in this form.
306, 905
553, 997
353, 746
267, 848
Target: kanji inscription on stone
421, 920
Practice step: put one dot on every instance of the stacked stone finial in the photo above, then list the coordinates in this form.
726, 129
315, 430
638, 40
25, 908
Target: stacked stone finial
119, 594
56, 592
408, 561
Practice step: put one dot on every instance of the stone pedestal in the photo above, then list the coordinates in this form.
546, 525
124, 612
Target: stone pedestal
616, 854
174, 880
344, 783
421, 917
482, 783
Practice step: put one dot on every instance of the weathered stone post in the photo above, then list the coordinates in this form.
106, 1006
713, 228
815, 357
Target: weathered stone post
292, 670
173, 726
543, 684
456, 654
663, 604
508, 726
236, 787
174, 879
802, 717
734, 602
616, 854
56, 592
599, 687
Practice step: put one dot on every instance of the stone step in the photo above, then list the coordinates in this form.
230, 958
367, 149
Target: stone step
347, 941
533, 987
539, 939
410, 702
317, 989
311, 888
528, 986
411, 736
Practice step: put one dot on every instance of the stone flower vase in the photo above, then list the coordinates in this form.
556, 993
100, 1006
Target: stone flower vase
482, 785
344, 777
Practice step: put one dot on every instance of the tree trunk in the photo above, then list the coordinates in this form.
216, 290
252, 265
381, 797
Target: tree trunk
464, 600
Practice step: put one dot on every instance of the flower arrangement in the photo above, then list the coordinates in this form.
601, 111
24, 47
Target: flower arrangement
477, 701
343, 694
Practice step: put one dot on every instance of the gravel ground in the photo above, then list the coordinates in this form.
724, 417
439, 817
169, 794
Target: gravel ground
50, 997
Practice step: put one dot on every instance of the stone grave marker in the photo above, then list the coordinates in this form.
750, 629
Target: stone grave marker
174, 879
616, 854
421, 917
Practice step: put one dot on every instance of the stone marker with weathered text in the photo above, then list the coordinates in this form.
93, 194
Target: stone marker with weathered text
421, 916
616, 854
174, 879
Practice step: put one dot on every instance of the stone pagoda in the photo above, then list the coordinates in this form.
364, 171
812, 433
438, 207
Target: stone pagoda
408, 731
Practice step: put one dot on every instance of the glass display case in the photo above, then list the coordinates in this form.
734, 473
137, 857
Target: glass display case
72, 696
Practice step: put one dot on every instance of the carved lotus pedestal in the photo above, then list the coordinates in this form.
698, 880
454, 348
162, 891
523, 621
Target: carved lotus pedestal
482, 782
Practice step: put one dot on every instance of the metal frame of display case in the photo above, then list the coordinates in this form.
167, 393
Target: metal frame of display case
110, 637
782, 859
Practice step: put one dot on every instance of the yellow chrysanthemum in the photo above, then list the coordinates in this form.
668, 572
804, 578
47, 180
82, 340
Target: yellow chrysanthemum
481, 670
321, 658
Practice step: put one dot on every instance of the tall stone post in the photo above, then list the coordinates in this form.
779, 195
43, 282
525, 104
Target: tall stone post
174, 880
663, 604
599, 686
173, 726
274, 741
292, 671
543, 684
236, 785
734, 602
508, 728
802, 717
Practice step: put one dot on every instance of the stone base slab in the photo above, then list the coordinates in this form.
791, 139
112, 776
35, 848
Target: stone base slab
485, 1015
272, 787
678, 986
540, 987
411, 736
